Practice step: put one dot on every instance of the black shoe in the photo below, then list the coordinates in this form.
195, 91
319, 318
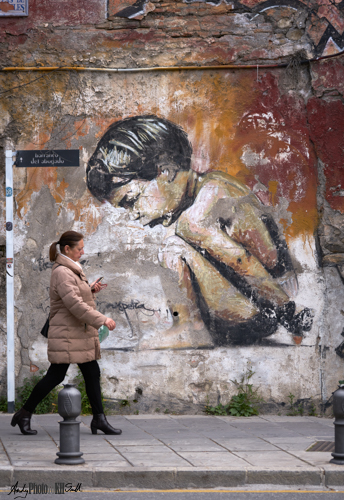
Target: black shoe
99, 422
285, 313
23, 419
301, 322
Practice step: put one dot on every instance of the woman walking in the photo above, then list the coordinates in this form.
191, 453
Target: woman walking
73, 333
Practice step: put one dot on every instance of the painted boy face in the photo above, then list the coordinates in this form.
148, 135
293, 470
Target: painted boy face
152, 200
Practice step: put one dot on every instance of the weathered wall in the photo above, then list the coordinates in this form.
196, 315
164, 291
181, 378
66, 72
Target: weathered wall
203, 268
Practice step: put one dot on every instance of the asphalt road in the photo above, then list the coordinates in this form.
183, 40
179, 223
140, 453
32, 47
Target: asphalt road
279, 494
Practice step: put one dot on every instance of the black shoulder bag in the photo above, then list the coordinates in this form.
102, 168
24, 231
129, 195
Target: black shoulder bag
45, 328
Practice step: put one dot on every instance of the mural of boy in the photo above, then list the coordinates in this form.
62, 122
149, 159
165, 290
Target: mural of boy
233, 264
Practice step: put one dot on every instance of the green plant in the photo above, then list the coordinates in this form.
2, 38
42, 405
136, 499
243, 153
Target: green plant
86, 408
125, 402
300, 410
291, 398
292, 410
220, 409
243, 404
47, 405
157, 410
312, 411
3, 404
247, 400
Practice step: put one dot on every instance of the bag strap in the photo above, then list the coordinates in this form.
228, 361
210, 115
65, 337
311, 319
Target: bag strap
58, 265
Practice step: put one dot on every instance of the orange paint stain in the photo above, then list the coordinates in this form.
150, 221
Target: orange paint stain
273, 186
85, 213
103, 124
38, 177
305, 221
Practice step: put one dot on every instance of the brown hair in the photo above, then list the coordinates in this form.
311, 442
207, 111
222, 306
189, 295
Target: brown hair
70, 238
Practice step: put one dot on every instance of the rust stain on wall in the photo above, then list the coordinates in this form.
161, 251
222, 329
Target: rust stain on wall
36, 179
85, 213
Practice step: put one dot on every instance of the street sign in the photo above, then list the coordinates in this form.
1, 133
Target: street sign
48, 158
14, 8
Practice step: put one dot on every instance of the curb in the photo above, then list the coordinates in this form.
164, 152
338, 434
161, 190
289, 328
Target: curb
170, 477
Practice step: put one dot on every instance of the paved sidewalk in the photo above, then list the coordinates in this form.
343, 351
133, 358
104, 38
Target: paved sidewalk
167, 452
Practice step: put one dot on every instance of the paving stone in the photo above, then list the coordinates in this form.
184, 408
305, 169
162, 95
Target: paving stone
35, 463
166, 459
317, 458
116, 464
322, 421
96, 446
291, 444
127, 441
238, 419
247, 445
196, 445
266, 430
150, 417
309, 429
213, 459
142, 449
265, 459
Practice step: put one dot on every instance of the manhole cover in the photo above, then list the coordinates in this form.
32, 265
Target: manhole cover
322, 446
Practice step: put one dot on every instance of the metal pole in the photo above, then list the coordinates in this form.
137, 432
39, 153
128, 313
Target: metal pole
69, 407
10, 282
338, 412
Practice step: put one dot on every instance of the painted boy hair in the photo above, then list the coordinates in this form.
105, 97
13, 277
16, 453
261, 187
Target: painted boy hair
132, 149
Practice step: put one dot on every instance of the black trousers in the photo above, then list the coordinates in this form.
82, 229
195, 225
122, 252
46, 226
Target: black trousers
55, 376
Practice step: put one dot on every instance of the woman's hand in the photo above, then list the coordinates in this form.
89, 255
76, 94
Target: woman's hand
96, 287
110, 323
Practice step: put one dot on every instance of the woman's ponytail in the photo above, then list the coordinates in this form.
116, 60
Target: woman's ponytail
70, 238
53, 251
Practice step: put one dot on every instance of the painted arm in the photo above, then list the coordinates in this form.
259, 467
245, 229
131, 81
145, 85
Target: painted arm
225, 224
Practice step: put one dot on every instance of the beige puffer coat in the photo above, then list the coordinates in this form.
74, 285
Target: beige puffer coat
74, 322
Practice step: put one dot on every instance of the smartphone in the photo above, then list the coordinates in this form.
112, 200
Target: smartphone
97, 281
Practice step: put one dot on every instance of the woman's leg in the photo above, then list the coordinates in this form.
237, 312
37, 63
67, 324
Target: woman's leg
53, 377
91, 374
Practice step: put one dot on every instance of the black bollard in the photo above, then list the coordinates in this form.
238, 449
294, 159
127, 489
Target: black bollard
338, 411
69, 407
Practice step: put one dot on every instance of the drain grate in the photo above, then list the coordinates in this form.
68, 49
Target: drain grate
322, 446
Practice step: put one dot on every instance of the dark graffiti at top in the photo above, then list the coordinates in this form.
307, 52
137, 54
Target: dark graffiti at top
325, 18
233, 263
